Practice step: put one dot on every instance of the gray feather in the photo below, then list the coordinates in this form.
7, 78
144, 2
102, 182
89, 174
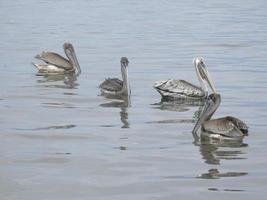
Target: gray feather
55, 59
178, 89
112, 85
239, 124
225, 127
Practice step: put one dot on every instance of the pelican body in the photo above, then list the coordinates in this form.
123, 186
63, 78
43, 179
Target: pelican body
230, 128
114, 87
179, 89
55, 63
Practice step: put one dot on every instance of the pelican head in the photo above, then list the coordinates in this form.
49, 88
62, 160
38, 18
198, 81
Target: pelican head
203, 73
70, 53
124, 61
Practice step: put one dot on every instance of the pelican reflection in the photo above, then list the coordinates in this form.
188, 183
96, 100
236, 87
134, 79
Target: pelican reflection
58, 80
180, 105
123, 105
213, 152
216, 174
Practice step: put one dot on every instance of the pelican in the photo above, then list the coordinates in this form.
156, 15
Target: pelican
55, 63
115, 87
177, 89
230, 128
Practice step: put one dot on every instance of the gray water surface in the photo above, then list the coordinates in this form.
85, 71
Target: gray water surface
60, 140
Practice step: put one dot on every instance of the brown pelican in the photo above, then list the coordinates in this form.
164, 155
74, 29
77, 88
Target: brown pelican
222, 128
177, 89
114, 87
55, 63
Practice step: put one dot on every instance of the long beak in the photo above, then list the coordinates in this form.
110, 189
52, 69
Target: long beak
211, 105
75, 62
125, 77
209, 80
201, 118
198, 124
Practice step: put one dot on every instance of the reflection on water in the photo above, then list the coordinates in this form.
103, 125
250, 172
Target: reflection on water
122, 148
212, 154
179, 105
227, 190
67, 126
57, 127
172, 121
124, 117
57, 105
215, 174
58, 80
123, 104
213, 151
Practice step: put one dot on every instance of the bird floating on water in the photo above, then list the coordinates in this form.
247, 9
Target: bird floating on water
176, 89
57, 64
114, 87
229, 128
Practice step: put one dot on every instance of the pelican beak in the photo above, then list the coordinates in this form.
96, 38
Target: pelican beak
77, 64
74, 60
198, 124
124, 72
208, 78
201, 118
210, 106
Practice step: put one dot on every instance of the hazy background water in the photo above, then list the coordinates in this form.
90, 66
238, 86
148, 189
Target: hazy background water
60, 140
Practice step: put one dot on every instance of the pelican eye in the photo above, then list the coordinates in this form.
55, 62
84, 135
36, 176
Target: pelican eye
202, 63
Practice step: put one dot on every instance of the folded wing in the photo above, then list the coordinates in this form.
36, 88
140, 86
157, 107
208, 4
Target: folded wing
55, 59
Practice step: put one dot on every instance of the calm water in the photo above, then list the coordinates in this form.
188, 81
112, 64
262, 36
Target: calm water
60, 140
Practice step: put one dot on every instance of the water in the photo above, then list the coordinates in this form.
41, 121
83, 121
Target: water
61, 140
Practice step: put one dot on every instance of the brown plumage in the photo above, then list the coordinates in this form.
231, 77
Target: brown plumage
54, 59
112, 84
179, 89
56, 63
226, 126
114, 87
223, 128
175, 89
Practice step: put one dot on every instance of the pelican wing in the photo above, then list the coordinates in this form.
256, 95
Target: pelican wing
223, 127
239, 124
55, 59
180, 87
112, 84
47, 68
